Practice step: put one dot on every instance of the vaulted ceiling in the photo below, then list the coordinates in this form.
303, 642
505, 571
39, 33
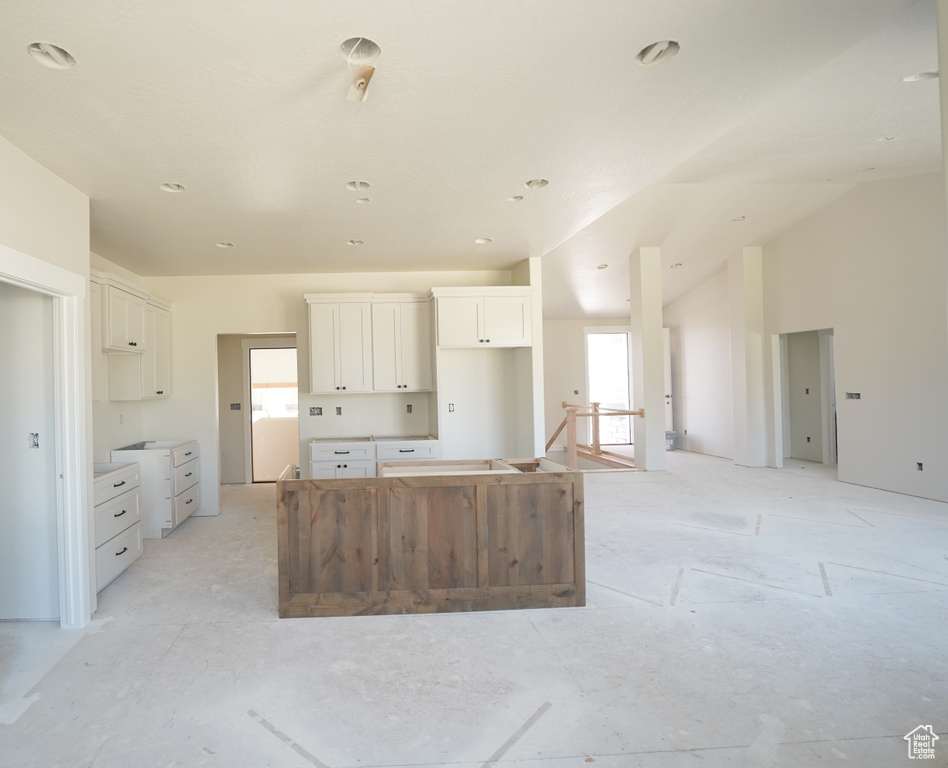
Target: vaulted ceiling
768, 112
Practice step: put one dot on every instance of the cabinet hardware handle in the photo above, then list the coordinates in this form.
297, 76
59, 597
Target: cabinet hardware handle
343, 387
120, 513
338, 387
406, 450
189, 474
345, 466
488, 341
338, 466
118, 485
189, 501
188, 453
341, 453
124, 550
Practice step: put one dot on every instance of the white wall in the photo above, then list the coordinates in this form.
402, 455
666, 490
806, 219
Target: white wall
872, 266
701, 368
205, 306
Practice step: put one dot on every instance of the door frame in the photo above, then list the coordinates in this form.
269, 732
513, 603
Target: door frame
71, 418
269, 342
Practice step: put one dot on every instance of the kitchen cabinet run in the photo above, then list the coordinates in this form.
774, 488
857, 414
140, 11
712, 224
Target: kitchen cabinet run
401, 345
340, 343
118, 520
332, 458
148, 375
484, 317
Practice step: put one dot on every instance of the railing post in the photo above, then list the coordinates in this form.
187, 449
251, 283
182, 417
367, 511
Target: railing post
571, 459
597, 451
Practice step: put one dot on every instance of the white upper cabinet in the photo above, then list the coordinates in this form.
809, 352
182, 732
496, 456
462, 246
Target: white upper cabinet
340, 344
123, 321
482, 317
401, 345
146, 376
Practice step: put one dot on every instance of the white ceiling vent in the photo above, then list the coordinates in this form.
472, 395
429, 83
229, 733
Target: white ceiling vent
357, 186
657, 53
52, 56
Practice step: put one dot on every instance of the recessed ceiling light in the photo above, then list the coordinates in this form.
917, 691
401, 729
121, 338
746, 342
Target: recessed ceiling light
224, 244
739, 218
359, 50
362, 200
869, 168
173, 188
887, 138
515, 199
483, 240
355, 242
357, 186
676, 265
657, 53
535, 183
602, 266
51, 56
919, 77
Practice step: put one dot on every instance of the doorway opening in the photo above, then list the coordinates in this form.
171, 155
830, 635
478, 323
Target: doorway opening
274, 412
608, 382
808, 404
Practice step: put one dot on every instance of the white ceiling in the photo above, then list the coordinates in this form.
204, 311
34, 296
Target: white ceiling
243, 103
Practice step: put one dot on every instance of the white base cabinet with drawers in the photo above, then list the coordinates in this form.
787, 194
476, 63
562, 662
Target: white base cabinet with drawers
334, 458
118, 520
170, 482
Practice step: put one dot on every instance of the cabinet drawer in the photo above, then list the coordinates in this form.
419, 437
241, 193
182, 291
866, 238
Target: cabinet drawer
115, 515
186, 503
115, 483
116, 555
416, 450
183, 453
186, 475
349, 451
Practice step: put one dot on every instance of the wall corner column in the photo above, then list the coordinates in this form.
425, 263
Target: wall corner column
647, 357
746, 308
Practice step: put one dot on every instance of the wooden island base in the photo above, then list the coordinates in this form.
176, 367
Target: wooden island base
510, 536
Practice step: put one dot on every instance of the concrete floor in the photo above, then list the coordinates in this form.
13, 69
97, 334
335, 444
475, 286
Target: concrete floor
735, 617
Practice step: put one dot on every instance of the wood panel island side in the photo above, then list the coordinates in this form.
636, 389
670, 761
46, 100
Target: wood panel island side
462, 536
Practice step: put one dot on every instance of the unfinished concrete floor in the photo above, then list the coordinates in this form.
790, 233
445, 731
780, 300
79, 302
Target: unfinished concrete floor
735, 617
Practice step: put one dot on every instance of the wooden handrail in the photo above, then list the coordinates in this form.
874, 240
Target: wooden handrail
574, 411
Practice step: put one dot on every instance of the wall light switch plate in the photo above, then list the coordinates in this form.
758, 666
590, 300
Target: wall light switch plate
315, 410
235, 406
338, 410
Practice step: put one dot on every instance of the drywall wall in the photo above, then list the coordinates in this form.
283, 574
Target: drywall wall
872, 266
564, 366
29, 560
701, 368
803, 395
205, 306
40, 214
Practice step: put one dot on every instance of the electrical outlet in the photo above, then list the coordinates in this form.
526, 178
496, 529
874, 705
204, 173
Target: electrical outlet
919, 466
808, 438
686, 431
450, 407
315, 410
235, 406
338, 410
34, 440
575, 391
853, 396
808, 390
408, 408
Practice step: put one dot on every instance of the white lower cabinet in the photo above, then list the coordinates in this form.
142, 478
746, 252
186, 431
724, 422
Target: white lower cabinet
330, 459
170, 482
118, 520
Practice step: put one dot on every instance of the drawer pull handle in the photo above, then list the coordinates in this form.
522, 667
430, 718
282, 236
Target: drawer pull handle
189, 474
124, 550
120, 513
118, 485
188, 453
341, 453
189, 501
406, 450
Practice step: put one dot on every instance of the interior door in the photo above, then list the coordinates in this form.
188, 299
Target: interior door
29, 557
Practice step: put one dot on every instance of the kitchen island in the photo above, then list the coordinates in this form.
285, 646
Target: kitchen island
434, 537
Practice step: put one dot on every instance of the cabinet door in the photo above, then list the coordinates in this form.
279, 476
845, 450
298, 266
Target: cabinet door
355, 347
323, 344
125, 321
148, 369
357, 469
460, 322
415, 336
386, 347
507, 321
